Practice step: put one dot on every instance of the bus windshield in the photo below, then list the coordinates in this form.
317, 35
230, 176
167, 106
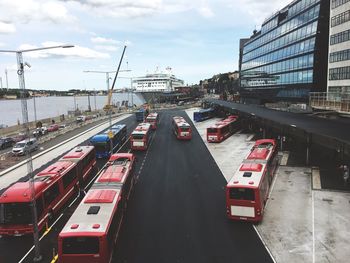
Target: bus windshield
15, 213
242, 194
102, 146
212, 130
80, 245
137, 136
186, 129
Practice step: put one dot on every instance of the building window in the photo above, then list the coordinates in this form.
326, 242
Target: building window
339, 73
339, 56
340, 37
340, 19
336, 3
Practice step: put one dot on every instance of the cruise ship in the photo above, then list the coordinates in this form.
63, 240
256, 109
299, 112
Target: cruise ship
154, 85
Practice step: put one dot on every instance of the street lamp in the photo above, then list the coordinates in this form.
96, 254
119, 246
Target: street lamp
20, 73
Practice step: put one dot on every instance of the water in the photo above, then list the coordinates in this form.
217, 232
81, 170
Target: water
48, 107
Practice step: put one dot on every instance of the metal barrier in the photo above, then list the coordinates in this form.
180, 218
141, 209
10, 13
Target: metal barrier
335, 101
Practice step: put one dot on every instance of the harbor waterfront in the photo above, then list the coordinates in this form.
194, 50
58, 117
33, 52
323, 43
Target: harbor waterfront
49, 107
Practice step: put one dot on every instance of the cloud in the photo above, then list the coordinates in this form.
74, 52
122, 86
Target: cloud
206, 12
122, 8
20, 11
259, 10
102, 40
77, 52
7, 28
107, 47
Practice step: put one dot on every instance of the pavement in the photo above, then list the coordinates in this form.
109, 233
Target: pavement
302, 221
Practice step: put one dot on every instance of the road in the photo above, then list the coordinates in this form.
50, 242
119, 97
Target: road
177, 212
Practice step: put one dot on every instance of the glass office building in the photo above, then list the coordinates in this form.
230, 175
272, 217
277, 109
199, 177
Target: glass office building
287, 58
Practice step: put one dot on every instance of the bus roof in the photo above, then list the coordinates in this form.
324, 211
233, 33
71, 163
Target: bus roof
118, 127
56, 169
100, 138
113, 173
20, 192
262, 149
206, 110
116, 156
93, 214
77, 152
247, 175
224, 122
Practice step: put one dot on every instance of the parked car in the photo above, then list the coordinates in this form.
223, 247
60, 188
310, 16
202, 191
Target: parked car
40, 131
81, 118
181, 103
19, 137
25, 146
63, 126
6, 142
53, 127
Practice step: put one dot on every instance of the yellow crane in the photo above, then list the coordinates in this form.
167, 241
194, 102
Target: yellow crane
108, 107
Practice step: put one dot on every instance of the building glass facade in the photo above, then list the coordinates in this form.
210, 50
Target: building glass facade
283, 61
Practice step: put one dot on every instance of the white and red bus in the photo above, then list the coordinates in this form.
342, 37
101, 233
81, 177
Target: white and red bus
139, 138
248, 189
181, 128
222, 129
53, 187
91, 233
153, 119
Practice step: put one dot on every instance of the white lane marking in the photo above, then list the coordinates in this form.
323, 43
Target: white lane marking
313, 226
262, 240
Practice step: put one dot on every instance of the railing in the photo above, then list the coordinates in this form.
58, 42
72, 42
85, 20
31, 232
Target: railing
336, 101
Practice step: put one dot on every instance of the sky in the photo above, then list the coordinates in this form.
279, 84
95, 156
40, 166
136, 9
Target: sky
195, 38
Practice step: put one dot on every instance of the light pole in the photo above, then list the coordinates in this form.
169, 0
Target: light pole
20, 73
7, 80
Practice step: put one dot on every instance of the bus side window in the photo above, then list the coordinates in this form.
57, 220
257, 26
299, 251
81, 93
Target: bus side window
69, 177
39, 206
51, 194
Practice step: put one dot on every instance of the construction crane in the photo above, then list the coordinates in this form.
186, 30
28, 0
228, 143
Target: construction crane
108, 107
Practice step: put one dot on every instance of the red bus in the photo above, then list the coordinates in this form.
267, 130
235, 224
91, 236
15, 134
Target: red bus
91, 233
181, 128
248, 189
222, 129
52, 189
139, 138
152, 118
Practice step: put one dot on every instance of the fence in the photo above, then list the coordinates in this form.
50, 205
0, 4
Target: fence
336, 101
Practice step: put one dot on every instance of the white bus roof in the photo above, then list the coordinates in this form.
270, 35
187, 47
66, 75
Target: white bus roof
93, 213
248, 174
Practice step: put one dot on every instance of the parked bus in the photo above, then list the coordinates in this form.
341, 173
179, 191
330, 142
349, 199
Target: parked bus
222, 129
248, 189
91, 233
141, 115
53, 188
139, 138
106, 143
181, 128
203, 114
153, 119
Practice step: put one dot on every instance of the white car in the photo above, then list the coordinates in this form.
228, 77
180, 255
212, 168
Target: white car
81, 118
40, 131
25, 146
